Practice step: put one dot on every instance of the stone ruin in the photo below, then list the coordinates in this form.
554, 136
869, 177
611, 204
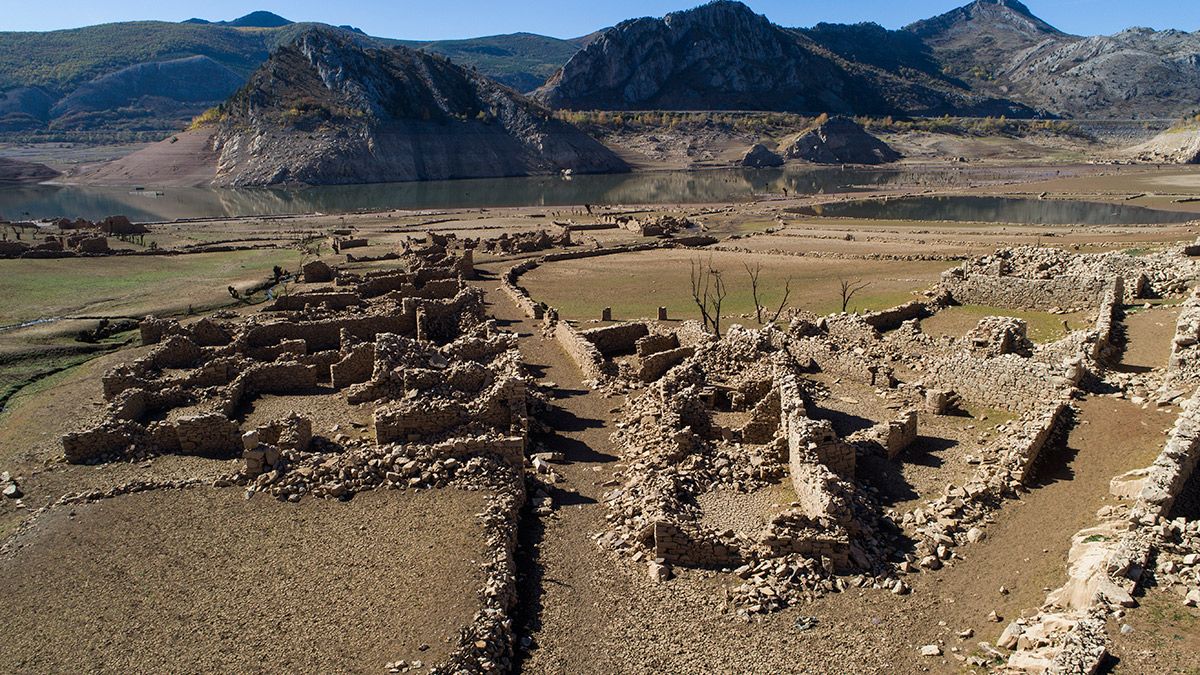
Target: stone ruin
526, 242
743, 417
651, 226
448, 394
735, 415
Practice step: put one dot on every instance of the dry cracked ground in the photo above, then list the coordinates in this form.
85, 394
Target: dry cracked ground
202, 575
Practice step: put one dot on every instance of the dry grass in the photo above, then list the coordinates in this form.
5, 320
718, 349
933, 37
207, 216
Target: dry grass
636, 284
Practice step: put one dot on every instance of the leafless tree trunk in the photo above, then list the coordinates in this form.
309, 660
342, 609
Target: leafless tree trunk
754, 272
717, 298
787, 290
849, 289
708, 292
700, 290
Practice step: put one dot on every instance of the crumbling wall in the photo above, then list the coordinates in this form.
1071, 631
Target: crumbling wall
1006, 382
1183, 368
582, 351
694, 546
1020, 293
617, 339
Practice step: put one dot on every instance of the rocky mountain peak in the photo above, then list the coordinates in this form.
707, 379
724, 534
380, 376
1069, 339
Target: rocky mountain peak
984, 16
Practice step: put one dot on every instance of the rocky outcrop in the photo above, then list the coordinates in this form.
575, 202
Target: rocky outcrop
17, 171
840, 141
759, 156
328, 111
1176, 146
723, 56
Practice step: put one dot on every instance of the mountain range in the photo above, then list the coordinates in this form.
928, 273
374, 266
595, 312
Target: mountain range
328, 109
990, 57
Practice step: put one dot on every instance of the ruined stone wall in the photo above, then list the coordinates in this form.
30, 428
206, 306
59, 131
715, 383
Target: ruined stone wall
518, 294
889, 319
1183, 368
330, 300
694, 546
620, 338
654, 366
1017, 292
654, 343
1175, 464
354, 366
1006, 382
581, 350
326, 333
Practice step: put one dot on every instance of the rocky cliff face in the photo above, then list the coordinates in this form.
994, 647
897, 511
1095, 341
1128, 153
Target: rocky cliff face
325, 110
999, 48
724, 56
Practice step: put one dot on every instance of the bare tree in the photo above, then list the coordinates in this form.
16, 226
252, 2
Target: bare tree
849, 289
787, 290
717, 298
754, 272
700, 289
708, 292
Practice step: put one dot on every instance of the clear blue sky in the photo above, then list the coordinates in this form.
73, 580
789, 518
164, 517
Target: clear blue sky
441, 19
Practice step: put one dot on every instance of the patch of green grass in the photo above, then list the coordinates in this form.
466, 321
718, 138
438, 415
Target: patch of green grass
27, 375
1043, 326
132, 285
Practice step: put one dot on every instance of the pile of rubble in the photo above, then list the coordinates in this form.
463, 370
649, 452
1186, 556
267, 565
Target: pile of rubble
526, 242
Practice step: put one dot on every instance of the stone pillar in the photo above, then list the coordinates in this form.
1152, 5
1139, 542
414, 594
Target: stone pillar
606, 315
662, 313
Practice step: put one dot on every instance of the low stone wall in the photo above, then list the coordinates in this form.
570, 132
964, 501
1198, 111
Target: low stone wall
654, 366
298, 301
816, 457
1022, 293
353, 367
1007, 382
582, 351
892, 437
518, 294
1183, 368
1178, 460
654, 343
694, 546
617, 339
889, 319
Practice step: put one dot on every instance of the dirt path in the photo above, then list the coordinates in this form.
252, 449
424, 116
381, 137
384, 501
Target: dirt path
1148, 335
563, 587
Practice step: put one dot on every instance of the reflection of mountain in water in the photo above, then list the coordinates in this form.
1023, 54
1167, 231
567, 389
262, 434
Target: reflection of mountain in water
997, 210
657, 187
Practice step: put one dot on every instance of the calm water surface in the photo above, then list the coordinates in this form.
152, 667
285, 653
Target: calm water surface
694, 187
998, 210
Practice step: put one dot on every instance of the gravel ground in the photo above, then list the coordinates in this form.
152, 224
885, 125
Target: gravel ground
204, 581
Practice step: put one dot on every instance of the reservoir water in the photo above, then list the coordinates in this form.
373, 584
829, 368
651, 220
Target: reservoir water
655, 187
997, 210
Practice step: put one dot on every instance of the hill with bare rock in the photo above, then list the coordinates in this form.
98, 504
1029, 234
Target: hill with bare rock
328, 110
14, 171
723, 56
999, 47
840, 141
